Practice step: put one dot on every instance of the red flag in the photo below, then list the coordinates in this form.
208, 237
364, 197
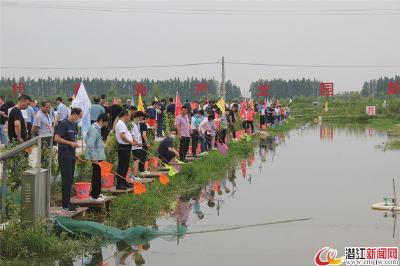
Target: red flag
243, 109
178, 105
15, 89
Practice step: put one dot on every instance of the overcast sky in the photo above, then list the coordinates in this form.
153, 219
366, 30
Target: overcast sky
35, 36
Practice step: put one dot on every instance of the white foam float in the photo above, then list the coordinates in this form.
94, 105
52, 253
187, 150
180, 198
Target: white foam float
381, 206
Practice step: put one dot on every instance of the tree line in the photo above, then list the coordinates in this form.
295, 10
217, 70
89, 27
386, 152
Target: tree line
378, 88
121, 88
279, 88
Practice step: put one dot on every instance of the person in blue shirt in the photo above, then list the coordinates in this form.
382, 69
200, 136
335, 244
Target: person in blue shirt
62, 111
31, 116
65, 136
96, 110
95, 153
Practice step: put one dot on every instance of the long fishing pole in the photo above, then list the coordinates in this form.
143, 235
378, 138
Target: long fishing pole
236, 227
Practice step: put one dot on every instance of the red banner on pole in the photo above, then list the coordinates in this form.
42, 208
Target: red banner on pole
140, 88
76, 89
326, 89
394, 88
19, 87
201, 87
263, 89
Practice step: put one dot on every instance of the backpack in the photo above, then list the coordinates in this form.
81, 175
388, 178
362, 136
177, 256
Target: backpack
197, 120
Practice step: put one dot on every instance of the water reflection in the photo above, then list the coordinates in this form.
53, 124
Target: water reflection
341, 219
371, 131
326, 133
266, 149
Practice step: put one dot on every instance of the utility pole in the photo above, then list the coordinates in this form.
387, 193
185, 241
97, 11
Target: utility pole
222, 90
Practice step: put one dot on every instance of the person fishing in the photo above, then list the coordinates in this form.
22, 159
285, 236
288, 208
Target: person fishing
125, 143
95, 153
137, 149
166, 151
65, 136
232, 119
223, 125
196, 119
146, 144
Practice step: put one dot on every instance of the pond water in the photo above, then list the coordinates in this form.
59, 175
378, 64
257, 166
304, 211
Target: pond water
331, 175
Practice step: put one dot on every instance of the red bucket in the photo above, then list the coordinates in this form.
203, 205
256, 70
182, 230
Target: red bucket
82, 190
107, 181
105, 167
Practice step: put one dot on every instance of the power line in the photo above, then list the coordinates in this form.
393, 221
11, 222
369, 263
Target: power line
321, 12
107, 67
310, 66
193, 64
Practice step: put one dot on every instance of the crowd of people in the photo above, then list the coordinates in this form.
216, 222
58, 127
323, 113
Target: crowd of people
202, 124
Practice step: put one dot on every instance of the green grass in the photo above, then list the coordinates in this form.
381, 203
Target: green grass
352, 111
393, 145
22, 240
391, 124
288, 125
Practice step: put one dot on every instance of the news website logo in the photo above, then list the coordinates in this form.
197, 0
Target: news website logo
373, 256
327, 256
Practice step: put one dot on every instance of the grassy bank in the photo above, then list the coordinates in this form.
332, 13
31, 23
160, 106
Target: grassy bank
21, 240
351, 111
392, 145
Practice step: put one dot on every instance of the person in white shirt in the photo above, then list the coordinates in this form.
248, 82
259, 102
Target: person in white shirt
125, 143
137, 149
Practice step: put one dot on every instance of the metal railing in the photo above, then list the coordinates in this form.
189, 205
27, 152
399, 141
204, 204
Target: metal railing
4, 157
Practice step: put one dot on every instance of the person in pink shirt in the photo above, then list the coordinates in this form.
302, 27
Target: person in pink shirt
182, 124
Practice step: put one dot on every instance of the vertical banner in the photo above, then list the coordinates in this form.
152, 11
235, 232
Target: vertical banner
393, 88
326, 89
201, 88
263, 89
18, 88
140, 89
370, 110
